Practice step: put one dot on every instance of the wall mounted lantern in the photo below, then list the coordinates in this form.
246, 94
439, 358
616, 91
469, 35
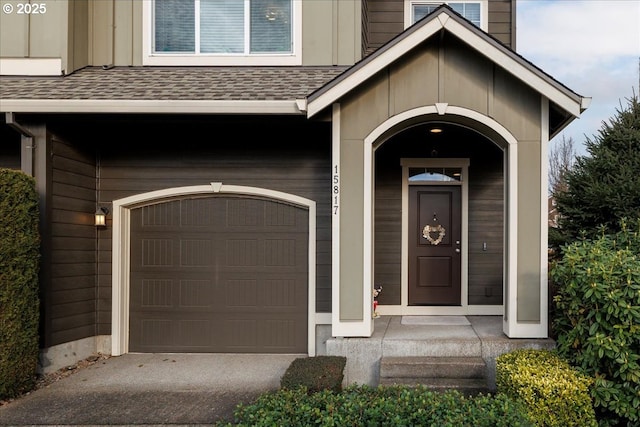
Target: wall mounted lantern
101, 217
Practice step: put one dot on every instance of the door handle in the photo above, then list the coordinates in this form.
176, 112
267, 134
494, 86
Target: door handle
457, 250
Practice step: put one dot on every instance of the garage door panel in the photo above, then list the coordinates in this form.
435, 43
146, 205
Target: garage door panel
225, 334
196, 333
196, 294
219, 275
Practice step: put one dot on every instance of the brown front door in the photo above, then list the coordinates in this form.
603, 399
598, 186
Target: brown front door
434, 245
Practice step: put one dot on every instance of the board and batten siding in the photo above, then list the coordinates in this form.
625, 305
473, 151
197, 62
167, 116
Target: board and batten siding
331, 32
109, 32
70, 303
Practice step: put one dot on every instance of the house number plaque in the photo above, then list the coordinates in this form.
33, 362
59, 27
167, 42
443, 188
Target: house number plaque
336, 189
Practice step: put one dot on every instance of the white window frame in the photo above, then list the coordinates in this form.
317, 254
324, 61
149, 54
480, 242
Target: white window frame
484, 10
181, 58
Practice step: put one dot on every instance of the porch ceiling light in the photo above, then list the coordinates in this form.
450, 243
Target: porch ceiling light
435, 130
101, 217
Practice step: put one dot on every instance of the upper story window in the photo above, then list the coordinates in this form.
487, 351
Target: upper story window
473, 10
222, 32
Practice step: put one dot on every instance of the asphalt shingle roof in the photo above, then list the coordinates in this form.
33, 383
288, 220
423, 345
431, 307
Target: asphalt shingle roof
173, 83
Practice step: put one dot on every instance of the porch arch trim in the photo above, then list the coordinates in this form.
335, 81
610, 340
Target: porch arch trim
382, 132
121, 251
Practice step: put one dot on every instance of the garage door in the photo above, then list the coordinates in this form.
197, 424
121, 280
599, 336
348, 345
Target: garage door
219, 274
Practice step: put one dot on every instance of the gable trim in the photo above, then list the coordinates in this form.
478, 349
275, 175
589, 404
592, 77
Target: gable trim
474, 37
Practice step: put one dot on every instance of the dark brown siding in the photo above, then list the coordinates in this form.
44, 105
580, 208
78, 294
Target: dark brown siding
501, 25
388, 223
486, 225
71, 296
365, 26
9, 147
485, 210
146, 154
386, 20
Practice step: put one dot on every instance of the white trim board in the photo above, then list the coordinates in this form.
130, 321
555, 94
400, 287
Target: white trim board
159, 106
462, 163
31, 67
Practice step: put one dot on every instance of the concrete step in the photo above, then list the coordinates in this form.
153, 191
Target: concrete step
465, 374
432, 367
466, 386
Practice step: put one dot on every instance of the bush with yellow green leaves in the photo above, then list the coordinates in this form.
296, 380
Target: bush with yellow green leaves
555, 394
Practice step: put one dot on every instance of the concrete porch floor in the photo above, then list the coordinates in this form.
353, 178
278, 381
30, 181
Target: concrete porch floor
440, 336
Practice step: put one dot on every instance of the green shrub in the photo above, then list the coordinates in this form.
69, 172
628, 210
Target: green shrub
361, 405
597, 320
19, 265
555, 394
315, 373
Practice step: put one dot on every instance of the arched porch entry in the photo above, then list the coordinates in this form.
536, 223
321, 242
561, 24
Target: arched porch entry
388, 131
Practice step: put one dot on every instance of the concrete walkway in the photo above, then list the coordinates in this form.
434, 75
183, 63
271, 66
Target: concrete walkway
193, 389
151, 389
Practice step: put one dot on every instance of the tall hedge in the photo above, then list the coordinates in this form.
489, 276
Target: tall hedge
19, 266
597, 318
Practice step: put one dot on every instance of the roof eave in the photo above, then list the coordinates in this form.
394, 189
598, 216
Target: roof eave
124, 106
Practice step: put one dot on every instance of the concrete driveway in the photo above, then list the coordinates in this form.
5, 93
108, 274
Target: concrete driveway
151, 389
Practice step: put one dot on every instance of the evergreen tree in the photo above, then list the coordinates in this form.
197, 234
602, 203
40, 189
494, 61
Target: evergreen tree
604, 186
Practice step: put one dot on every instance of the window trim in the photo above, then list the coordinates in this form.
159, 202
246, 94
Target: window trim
484, 10
186, 59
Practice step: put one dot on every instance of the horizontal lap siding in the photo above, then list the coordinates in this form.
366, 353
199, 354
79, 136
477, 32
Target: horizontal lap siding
386, 20
486, 224
501, 25
286, 155
388, 232
70, 297
9, 148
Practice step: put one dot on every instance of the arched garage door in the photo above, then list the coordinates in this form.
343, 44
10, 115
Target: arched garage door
219, 274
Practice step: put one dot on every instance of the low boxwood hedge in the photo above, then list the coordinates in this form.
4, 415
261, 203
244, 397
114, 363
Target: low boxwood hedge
315, 373
555, 394
361, 405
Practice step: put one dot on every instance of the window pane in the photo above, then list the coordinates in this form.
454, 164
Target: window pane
435, 174
422, 10
175, 26
471, 11
221, 26
271, 26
